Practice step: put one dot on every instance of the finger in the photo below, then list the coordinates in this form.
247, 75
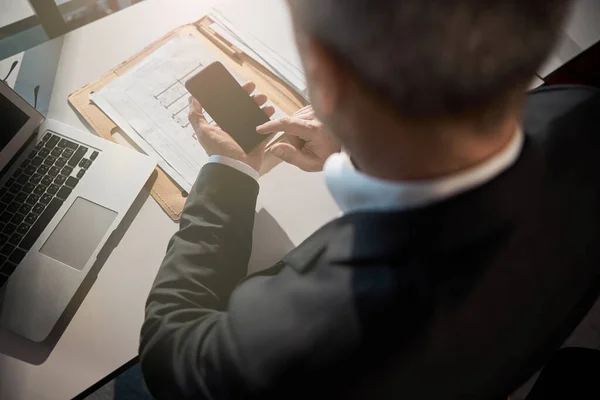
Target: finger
260, 99
269, 110
296, 141
249, 87
196, 117
195, 105
292, 155
304, 112
292, 126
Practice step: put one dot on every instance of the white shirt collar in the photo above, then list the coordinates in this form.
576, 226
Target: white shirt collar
355, 191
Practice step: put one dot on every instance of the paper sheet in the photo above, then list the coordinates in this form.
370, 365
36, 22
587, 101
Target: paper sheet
150, 104
262, 29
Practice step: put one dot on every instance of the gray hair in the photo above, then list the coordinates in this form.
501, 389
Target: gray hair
437, 57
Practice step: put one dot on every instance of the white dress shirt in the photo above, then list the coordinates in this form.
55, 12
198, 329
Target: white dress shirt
355, 191
236, 164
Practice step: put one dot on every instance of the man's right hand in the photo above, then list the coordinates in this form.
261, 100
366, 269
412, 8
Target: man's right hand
310, 144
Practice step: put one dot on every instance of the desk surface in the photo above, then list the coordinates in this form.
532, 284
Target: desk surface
104, 332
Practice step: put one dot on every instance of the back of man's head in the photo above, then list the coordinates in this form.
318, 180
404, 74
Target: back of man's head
431, 58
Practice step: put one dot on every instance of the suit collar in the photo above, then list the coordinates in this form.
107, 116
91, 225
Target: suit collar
447, 225
356, 192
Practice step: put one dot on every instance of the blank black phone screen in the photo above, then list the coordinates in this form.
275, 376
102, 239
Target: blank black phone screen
228, 104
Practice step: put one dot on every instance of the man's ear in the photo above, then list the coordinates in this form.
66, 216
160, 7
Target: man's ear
325, 74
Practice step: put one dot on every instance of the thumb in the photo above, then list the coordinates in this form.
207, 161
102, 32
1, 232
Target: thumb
292, 155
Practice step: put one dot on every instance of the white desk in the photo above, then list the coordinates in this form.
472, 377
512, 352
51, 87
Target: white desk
581, 31
103, 333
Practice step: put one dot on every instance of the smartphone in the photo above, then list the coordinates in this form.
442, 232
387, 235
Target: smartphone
228, 104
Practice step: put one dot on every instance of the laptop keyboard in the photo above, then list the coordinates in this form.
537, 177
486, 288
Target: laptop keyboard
35, 192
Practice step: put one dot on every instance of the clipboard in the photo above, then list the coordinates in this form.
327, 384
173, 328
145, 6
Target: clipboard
163, 189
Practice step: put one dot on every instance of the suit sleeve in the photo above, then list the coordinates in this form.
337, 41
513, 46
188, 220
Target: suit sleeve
203, 340
205, 260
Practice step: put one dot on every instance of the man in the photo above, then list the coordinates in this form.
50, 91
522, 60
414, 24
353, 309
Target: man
463, 246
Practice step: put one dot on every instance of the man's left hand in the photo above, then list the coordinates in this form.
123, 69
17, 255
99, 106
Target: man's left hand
218, 142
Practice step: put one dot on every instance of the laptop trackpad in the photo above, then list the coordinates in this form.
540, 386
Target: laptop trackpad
79, 233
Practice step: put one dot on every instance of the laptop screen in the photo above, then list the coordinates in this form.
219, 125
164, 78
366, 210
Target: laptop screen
12, 119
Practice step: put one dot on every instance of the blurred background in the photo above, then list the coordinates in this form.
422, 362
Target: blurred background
27, 23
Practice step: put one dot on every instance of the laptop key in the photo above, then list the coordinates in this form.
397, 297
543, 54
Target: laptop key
49, 161
67, 153
87, 164
45, 199
72, 182
3, 191
42, 169
38, 209
40, 189
23, 179
21, 197
17, 256
46, 137
13, 207
16, 188
53, 171
31, 218
63, 193
7, 198
56, 152
44, 153
60, 179
17, 219
62, 144
17, 173
39, 226
7, 249
32, 199
81, 173
25, 209
35, 178
28, 187
61, 162
73, 161
36, 162
4, 239
15, 239
94, 155
23, 228
66, 171
50, 144
30, 170
8, 267
70, 145
47, 180
9, 229
5, 217
52, 189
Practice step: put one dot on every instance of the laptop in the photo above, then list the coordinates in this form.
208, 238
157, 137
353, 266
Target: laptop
62, 193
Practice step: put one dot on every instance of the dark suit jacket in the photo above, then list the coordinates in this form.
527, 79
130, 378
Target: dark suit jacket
461, 299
